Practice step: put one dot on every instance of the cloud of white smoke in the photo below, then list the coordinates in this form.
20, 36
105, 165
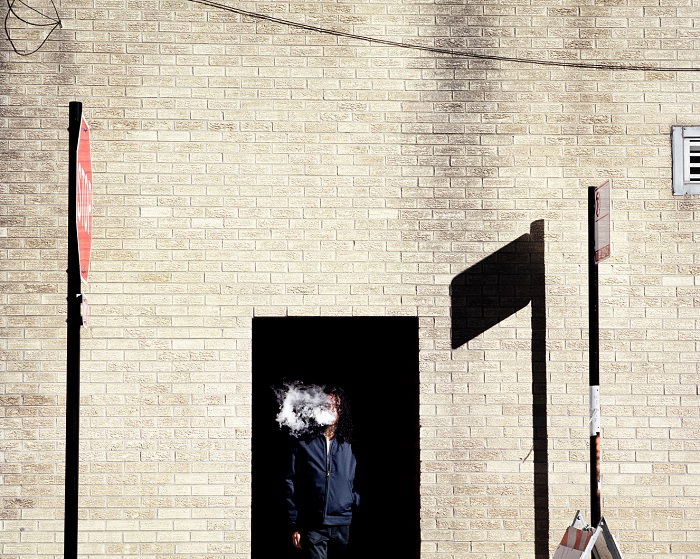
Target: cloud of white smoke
303, 408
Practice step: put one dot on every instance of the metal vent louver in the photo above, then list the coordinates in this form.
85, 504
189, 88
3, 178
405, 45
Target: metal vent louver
686, 159
692, 160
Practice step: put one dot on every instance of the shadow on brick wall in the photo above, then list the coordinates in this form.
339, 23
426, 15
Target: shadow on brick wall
491, 291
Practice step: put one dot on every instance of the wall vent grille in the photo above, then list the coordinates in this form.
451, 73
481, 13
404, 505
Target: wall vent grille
686, 159
693, 160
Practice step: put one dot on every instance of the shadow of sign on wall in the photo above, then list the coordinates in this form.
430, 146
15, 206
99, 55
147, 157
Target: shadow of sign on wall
489, 292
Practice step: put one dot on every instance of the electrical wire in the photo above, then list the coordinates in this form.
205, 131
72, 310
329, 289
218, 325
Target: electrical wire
54, 23
438, 50
33, 9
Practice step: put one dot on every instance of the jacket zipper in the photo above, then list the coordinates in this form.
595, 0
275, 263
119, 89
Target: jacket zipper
328, 475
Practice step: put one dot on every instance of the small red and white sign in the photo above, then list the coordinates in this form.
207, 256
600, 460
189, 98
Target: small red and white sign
573, 544
83, 199
602, 222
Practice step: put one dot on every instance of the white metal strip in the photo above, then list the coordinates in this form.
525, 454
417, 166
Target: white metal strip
594, 403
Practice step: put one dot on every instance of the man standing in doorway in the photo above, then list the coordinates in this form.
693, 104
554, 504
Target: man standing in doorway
320, 491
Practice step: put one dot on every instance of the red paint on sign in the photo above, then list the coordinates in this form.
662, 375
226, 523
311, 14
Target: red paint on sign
602, 222
83, 199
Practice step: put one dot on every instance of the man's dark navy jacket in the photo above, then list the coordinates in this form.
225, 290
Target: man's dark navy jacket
320, 486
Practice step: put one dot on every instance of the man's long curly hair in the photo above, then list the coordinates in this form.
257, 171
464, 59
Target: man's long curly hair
343, 430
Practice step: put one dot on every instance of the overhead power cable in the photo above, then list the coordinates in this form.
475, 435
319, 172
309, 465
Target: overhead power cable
52, 22
452, 52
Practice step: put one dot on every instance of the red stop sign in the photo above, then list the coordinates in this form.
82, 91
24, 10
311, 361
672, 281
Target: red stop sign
83, 199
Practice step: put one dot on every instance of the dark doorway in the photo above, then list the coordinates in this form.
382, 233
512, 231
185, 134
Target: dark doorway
375, 360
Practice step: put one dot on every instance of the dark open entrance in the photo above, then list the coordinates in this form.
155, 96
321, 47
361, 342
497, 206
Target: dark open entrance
375, 360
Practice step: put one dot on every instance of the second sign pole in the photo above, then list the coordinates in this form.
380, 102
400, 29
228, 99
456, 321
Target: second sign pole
594, 361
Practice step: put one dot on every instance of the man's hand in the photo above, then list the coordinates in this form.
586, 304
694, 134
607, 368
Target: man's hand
296, 540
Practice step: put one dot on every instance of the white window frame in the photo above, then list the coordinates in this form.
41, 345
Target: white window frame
682, 139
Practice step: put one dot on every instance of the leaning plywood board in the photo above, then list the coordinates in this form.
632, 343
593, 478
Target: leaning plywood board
579, 543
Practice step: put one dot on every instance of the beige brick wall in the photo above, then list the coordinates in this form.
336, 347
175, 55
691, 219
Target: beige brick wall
245, 169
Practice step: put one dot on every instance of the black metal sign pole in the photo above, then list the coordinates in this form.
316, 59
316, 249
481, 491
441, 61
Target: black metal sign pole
74, 320
594, 361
